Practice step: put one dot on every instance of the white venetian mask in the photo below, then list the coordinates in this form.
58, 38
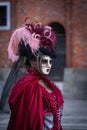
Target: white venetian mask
45, 64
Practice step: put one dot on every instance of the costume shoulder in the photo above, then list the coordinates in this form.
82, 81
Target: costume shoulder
26, 101
25, 82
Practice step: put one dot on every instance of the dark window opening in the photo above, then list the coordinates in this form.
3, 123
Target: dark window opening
59, 63
57, 27
3, 15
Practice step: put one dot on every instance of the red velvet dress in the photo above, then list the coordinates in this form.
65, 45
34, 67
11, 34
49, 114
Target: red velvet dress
28, 103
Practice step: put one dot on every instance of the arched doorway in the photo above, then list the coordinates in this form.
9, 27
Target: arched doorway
60, 62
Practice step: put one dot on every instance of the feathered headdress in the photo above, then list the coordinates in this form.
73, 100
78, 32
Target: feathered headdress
35, 35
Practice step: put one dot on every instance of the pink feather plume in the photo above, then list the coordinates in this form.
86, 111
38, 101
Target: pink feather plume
17, 36
35, 35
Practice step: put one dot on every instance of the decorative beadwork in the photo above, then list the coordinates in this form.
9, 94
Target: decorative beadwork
50, 104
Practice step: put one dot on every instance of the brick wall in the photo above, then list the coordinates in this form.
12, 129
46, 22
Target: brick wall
5, 36
72, 14
79, 20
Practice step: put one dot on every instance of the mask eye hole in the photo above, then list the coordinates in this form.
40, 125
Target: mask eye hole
51, 62
44, 61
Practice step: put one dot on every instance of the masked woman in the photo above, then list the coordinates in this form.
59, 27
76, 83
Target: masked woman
35, 101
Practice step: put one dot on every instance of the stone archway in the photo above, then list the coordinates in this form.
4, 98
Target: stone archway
60, 62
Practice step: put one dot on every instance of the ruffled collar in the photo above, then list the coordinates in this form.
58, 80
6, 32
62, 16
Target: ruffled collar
52, 85
34, 72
